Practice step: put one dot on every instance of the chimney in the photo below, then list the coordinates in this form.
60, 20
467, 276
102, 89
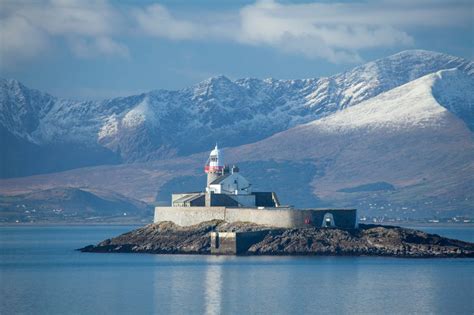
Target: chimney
235, 169
226, 170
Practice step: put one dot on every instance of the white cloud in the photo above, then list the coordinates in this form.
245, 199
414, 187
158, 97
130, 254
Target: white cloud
87, 26
88, 18
92, 47
337, 32
156, 20
20, 39
334, 31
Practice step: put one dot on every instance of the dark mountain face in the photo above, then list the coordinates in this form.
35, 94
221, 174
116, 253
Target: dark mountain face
22, 158
402, 153
376, 138
70, 205
44, 134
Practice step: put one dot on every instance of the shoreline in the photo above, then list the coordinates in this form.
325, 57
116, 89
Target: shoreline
280, 255
71, 224
141, 223
417, 224
247, 239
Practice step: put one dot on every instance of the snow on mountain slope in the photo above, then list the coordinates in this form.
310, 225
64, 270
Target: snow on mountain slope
413, 105
160, 123
404, 137
457, 95
22, 109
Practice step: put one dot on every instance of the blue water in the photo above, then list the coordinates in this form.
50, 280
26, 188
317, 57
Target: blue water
40, 273
459, 232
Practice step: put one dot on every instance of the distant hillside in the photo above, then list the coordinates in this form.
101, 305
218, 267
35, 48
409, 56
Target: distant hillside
392, 137
71, 205
45, 134
404, 138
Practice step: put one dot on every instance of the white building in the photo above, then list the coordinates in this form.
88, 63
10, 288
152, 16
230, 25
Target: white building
225, 187
229, 196
231, 183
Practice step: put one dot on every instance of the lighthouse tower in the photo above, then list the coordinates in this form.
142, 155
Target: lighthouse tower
214, 166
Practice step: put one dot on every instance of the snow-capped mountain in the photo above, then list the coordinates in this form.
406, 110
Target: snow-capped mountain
409, 139
407, 151
160, 124
401, 153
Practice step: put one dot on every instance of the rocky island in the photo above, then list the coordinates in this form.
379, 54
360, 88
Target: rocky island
229, 218
366, 240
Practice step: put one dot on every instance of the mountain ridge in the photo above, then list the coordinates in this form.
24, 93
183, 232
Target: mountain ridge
428, 168
161, 124
406, 150
402, 137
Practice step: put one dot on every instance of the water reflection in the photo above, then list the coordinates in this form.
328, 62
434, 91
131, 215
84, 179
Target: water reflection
283, 285
41, 275
177, 285
213, 287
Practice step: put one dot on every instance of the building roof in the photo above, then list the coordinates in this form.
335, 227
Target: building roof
219, 179
188, 198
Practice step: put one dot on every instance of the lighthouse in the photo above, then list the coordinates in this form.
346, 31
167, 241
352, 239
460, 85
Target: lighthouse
214, 166
229, 196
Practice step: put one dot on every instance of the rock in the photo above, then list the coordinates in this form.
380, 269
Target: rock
367, 240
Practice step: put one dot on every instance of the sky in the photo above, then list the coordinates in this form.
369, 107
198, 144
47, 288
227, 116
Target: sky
99, 49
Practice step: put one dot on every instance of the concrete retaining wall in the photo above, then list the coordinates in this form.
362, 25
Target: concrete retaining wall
232, 243
285, 218
280, 218
185, 216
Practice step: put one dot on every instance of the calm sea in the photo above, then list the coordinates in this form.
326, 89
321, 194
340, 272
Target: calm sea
40, 273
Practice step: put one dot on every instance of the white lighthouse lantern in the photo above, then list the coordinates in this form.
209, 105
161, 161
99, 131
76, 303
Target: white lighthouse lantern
214, 166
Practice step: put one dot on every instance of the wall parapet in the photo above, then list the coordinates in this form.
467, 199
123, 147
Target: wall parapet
276, 217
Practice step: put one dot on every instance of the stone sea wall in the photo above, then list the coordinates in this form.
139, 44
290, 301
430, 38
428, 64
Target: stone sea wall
276, 217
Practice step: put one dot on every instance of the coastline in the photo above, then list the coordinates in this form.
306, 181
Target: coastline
141, 223
367, 240
428, 224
